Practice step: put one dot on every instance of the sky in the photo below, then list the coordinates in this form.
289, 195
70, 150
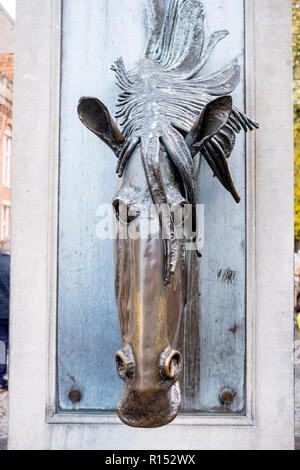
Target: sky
10, 6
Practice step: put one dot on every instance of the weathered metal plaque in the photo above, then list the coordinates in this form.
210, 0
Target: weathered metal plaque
212, 333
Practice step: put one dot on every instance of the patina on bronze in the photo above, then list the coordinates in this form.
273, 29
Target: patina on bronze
170, 111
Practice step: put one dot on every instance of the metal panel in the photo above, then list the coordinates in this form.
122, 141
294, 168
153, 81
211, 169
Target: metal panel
88, 334
215, 332
88, 319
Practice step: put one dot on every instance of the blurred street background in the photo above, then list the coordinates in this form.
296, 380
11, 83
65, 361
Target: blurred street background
297, 390
296, 69
3, 420
7, 14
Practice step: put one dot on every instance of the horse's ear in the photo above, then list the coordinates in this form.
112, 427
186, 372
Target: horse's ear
96, 117
214, 116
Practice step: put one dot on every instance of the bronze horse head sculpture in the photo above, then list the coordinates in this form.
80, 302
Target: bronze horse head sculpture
170, 112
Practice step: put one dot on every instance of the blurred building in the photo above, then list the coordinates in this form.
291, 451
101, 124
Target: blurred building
6, 32
6, 102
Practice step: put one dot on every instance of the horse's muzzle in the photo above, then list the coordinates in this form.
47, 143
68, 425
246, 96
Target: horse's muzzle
149, 410
149, 400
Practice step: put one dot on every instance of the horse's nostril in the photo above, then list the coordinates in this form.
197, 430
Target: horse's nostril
172, 364
125, 364
121, 366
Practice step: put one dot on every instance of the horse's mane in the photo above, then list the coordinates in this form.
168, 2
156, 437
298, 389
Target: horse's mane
177, 51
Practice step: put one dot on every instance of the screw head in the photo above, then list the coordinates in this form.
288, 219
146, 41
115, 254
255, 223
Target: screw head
74, 396
227, 396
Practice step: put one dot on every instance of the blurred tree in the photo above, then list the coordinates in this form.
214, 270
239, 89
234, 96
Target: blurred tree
296, 65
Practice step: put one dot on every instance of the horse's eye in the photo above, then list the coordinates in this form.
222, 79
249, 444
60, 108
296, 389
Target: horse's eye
125, 212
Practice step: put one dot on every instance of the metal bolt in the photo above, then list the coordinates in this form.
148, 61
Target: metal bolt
74, 396
227, 396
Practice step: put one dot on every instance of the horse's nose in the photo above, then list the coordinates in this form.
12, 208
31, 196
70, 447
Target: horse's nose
149, 409
145, 403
